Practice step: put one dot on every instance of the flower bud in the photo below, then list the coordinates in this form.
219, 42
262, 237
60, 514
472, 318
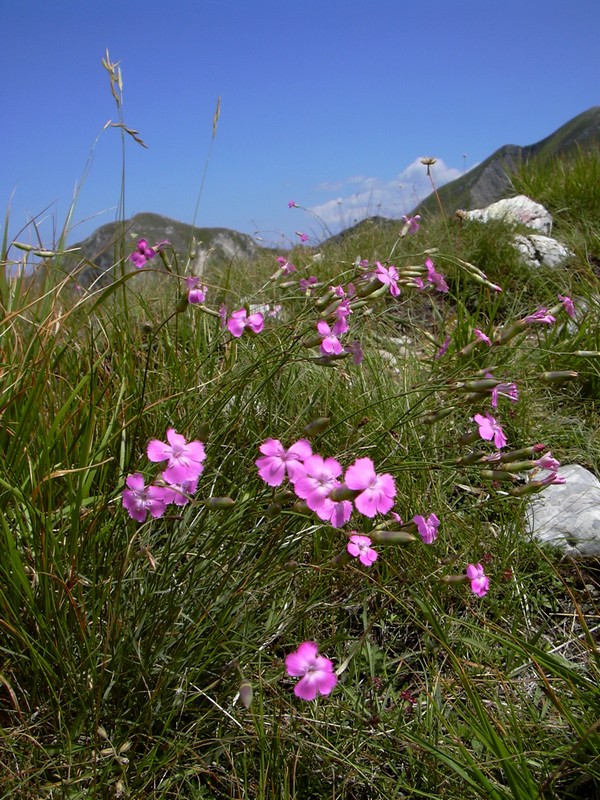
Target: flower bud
300, 507
558, 377
471, 458
343, 493
518, 466
379, 536
482, 385
274, 510
587, 353
182, 304
219, 503
370, 288
436, 416
290, 566
469, 438
316, 426
497, 475
342, 559
454, 579
511, 331
533, 450
283, 496
203, 431
314, 341
246, 693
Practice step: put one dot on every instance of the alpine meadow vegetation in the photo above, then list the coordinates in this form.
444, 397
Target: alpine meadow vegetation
263, 529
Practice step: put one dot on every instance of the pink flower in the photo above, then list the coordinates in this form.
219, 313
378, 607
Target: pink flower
412, 224
490, 429
480, 583
223, 314
435, 278
330, 345
303, 236
388, 276
342, 313
285, 265
443, 348
548, 462
142, 254
568, 305
376, 492
427, 528
239, 321
179, 493
316, 672
318, 480
508, 390
293, 204
542, 315
139, 499
336, 512
480, 335
306, 284
276, 461
185, 459
355, 350
196, 293
360, 547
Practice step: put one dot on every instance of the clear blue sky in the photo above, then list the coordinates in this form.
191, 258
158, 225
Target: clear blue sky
325, 102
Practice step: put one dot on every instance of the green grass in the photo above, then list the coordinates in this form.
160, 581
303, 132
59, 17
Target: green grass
123, 646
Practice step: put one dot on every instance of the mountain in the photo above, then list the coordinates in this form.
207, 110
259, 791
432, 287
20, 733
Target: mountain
490, 180
102, 249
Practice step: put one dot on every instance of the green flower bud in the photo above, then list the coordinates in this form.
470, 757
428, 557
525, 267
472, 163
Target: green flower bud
379, 536
219, 503
246, 693
316, 426
558, 377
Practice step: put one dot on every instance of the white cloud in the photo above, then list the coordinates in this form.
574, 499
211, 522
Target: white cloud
360, 196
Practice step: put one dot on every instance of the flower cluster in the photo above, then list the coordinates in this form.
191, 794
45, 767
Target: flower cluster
177, 482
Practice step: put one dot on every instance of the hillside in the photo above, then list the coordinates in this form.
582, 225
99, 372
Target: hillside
490, 180
106, 246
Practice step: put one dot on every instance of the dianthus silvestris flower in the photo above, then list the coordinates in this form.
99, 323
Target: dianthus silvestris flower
548, 462
542, 315
411, 224
355, 351
427, 528
179, 493
293, 204
490, 429
139, 499
388, 276
142, 253
508, 390
443, 348
303, 236
319, 478
359, 547
568, 305
376, 492
330, 345
342, 313
240, 320
185, 458
285, 266
315, 671
481, 336
196, 292
435, 277
480, 583
276, 461
307, 284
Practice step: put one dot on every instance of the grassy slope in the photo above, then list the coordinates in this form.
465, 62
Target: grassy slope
124, 646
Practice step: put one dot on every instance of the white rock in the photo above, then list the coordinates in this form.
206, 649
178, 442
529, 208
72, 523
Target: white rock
514, 210
542, 251
567, 515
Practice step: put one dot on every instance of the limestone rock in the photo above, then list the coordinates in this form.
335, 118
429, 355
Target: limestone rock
542, 251
567, 515
515, 210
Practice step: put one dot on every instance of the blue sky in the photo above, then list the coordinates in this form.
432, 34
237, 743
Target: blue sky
328, 103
